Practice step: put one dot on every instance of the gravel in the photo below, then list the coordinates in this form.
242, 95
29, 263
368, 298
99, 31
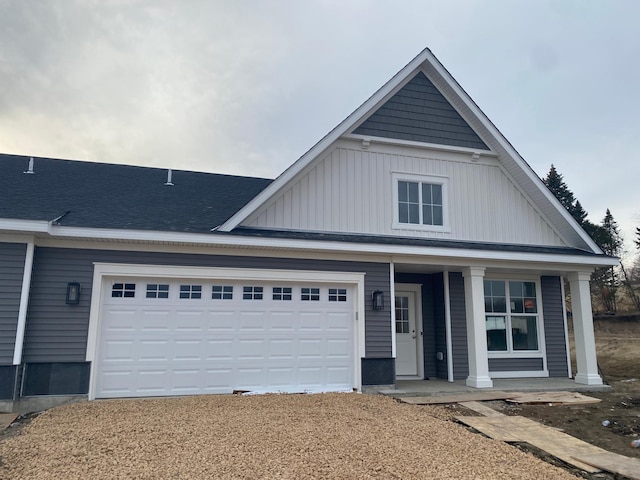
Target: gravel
269, 436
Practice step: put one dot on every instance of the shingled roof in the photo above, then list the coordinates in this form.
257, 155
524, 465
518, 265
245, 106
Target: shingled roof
100, 195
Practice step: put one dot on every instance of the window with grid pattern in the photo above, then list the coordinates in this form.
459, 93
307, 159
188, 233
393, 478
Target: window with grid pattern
222, 292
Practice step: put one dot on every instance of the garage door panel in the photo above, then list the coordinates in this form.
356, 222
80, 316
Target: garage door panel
221, 321
173, 346
282, 349
218, 350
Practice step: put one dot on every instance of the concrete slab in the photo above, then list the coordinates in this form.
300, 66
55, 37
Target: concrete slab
461, 397
425, 388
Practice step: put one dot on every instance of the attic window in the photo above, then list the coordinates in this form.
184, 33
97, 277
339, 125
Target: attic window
420, 202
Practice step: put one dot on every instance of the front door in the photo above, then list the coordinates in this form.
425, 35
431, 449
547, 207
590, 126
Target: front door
408, 335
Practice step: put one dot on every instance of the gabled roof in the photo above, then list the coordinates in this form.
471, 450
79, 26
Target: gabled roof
515, 166
100, 195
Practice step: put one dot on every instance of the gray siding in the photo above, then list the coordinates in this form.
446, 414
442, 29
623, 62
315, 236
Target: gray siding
458, 326
515, 364
419, 112
12, 257
439, 324
57, 332
555, 340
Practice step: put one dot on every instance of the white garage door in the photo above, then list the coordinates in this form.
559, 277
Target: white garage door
180, 337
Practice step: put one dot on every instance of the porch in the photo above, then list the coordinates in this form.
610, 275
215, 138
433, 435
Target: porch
436, 387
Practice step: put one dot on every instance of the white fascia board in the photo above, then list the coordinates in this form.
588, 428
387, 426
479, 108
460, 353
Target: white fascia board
16, 225
223, 240
508, 148
342, 128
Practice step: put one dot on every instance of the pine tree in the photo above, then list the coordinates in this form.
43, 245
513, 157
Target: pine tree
579, 213
555, 182
638, 239
607, 236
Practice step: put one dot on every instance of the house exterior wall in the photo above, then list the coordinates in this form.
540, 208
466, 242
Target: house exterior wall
458, 314
57, 332
553, 312
12, 259
350, 190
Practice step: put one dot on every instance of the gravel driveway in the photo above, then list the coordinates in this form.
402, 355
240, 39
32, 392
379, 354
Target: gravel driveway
270, 436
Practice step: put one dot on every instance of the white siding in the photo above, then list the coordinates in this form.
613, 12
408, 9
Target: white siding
350, 190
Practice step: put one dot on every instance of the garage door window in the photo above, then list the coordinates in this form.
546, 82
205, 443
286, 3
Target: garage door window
282, 293
252, 293
126, 290
222, 292
310, 294
190, 291
337, 294
157, 290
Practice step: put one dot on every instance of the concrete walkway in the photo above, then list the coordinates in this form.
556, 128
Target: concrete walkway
407, 388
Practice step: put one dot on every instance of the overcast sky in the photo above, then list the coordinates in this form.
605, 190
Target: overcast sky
246, 87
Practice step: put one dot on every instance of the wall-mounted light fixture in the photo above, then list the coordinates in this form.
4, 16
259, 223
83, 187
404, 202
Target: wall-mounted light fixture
377, 299
73, 293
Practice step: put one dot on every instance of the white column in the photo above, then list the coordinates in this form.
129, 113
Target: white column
583, 329
476, 328
24, 301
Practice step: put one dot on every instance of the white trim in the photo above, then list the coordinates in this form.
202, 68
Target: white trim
24, 302
236, 241
524, 374
447, 325
416, 289
102, 270
422, 145
566, 327
15, 238
392, 293
421, 179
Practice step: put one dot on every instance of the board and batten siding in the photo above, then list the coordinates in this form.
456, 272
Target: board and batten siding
350, 190
553, 314
460, 350
12, 258
57, 332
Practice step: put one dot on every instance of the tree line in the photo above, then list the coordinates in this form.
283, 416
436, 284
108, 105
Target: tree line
605, 281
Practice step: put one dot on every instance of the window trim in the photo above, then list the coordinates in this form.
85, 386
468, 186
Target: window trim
541, 351
429, 179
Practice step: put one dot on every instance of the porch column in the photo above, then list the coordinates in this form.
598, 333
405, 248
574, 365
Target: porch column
583, 329
476, 328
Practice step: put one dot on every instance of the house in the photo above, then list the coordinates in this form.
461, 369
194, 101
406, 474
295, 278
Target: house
412, 242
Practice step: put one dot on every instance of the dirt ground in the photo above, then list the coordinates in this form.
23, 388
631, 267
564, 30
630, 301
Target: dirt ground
618, 346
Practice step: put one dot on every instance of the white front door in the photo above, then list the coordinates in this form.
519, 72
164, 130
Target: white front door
408, 335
